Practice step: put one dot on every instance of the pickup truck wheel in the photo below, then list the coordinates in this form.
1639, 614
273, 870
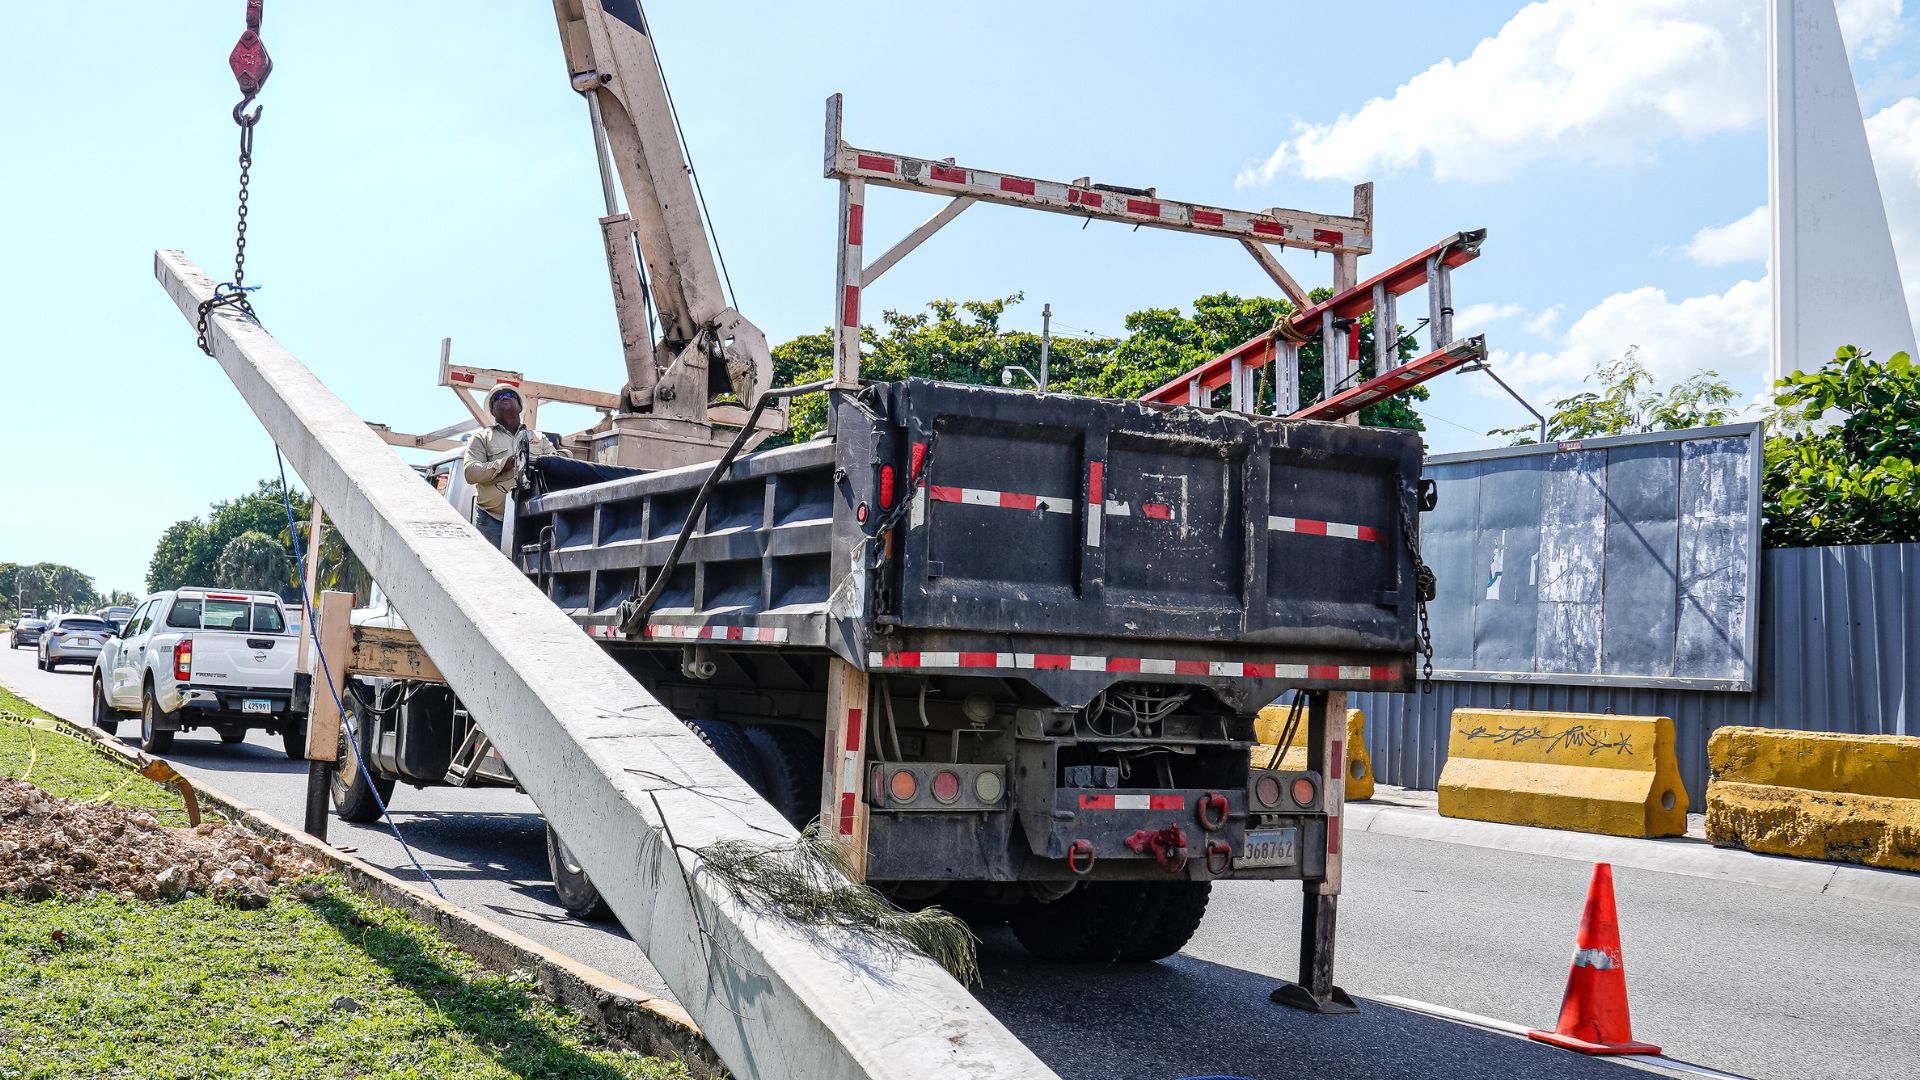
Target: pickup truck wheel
293, 737
577, 894
105, 716
353, 797
790, 760
152, 739
1168, 918
1089, 925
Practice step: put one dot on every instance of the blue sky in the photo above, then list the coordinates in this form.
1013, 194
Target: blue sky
423, 171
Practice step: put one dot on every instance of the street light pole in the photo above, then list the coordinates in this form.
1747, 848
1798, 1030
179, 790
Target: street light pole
1046, 340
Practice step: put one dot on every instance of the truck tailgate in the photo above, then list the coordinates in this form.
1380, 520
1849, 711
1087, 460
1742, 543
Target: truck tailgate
223, 658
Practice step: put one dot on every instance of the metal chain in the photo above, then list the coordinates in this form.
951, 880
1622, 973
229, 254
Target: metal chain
251, 65
234, 293
1425, 588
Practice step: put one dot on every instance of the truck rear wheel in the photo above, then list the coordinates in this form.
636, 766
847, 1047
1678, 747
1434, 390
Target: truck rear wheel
790, 759
293, 737
1168, 918
353, 797
576, 891
1104, 921
727, 740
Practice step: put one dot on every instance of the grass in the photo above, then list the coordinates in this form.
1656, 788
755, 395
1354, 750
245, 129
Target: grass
107, 987
111, 987
65, 765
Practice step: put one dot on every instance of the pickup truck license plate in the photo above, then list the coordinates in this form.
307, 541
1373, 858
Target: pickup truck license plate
262, 705
1273, 847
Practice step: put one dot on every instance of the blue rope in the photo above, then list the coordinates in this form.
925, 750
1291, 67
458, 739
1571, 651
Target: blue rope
359, 759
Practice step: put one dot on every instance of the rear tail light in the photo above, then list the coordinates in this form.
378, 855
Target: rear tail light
946, 786
988, 787
903, 787
886, 487
183, 660
1267, 791
1303, 791
919, 455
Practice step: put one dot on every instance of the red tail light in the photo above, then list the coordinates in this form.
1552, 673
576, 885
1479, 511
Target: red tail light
183, 660
919, 455
886, 487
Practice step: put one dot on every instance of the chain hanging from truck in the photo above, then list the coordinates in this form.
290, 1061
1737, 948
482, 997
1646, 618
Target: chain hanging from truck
251, 65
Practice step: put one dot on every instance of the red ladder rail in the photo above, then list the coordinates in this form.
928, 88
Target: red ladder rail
1401, 278
1387, 384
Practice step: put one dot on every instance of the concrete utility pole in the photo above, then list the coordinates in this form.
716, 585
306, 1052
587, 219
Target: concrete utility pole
1046, 340
634, 791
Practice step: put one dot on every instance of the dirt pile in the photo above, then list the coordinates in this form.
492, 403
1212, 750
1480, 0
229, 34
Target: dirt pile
50, 845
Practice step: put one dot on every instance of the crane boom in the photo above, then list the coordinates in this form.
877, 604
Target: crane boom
706, 348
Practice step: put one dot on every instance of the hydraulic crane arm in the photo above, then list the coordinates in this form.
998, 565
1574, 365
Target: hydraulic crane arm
706, 348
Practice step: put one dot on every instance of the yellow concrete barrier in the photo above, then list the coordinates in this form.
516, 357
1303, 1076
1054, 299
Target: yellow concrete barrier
1272, 723
1583, 771
1839, 798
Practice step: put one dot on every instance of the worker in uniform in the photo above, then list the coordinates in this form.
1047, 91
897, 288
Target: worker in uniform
492, 459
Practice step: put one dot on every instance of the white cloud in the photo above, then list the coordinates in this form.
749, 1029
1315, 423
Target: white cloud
1728, 332
1745, 240
1580, 79
1894, 135
1543, 323
1476, 317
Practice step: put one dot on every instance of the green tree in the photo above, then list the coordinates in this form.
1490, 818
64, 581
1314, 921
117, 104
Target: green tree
1627, 403
253, 560
119, 598
46, 586
188, 552
1840, 463
961, 341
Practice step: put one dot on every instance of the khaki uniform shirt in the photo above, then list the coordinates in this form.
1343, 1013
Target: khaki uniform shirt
488, 452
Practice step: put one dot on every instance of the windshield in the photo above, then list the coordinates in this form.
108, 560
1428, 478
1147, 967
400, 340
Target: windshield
87, 623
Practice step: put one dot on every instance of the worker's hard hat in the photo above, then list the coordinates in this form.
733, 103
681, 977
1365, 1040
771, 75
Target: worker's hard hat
506, 390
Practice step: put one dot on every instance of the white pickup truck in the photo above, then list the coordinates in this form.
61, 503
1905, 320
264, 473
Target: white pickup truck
189, 658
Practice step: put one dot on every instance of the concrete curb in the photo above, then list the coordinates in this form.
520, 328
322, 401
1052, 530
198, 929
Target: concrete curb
627, 1014
1685, 856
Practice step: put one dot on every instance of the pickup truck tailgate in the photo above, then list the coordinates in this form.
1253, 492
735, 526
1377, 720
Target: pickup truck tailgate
229, 658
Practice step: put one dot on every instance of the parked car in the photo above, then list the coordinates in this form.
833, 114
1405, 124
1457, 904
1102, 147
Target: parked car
194, 658
72, 639
27, 631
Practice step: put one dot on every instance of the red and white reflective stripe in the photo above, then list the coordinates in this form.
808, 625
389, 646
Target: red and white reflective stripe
762, 634
1310, 527
1157, 511
850, 772
1096, 490
944, 178
1231, 669
1336, 794
1133, 802
1006, 500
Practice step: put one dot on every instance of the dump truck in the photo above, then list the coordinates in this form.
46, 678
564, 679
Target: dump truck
1007, 647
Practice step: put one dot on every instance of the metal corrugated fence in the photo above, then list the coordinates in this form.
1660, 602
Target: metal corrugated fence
1839, 650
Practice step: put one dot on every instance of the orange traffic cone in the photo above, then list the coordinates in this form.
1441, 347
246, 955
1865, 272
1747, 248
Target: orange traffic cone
1593, 1015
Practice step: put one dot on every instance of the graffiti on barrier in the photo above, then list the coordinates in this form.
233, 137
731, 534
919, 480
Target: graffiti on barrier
1586, 737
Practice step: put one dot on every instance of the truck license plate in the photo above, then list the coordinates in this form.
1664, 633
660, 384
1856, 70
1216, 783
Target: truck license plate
1274, 847
262, 705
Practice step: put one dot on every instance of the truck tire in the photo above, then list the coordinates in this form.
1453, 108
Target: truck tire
105, 716
152, 739
577, 894
1169, 915
353, 797
1089, 925
726, 739
293, 738
790, 758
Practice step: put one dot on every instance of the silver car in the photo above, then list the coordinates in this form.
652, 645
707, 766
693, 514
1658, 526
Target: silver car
27, 630
72, 639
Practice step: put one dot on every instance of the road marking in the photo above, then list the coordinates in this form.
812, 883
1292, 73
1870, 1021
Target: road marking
1519, 1031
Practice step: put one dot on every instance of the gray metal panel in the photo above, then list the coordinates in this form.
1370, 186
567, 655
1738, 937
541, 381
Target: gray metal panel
1839, 650
1626, 560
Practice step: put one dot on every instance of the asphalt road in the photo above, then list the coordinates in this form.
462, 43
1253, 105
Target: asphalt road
1769, 982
